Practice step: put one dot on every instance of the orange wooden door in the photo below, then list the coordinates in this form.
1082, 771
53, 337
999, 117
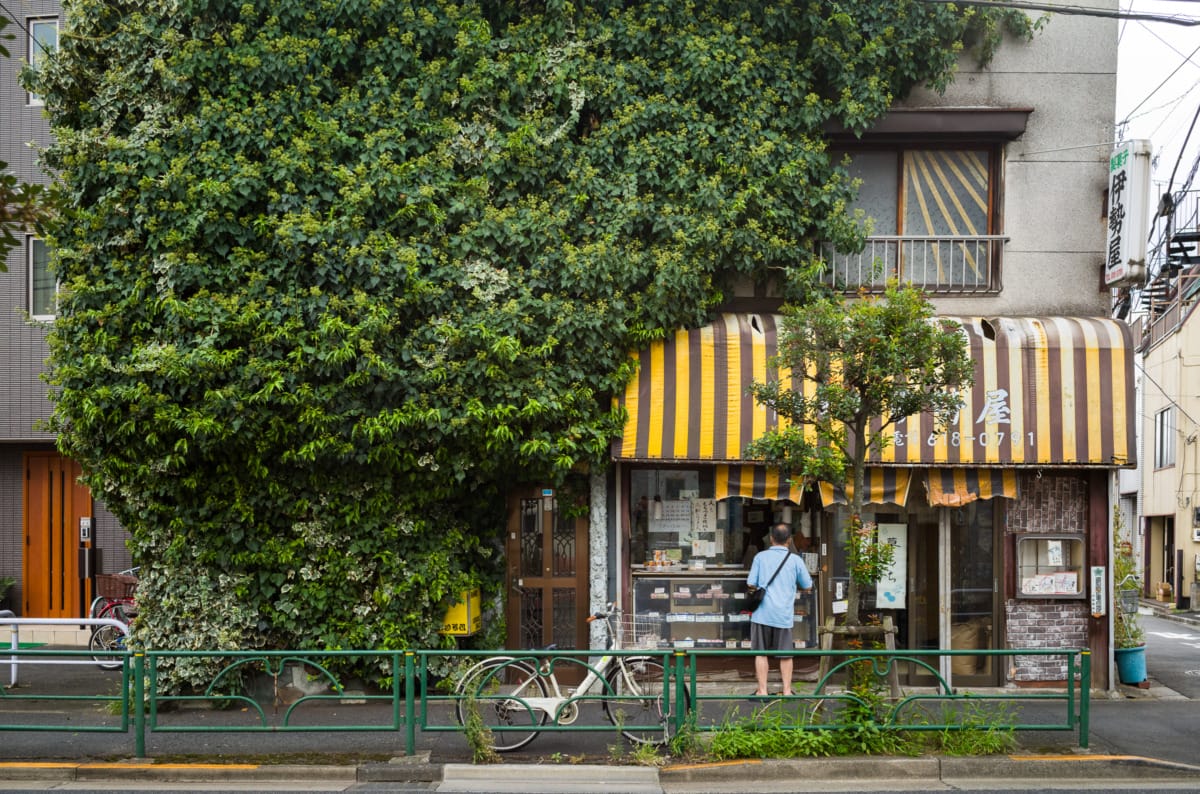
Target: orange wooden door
55, 500
547, 560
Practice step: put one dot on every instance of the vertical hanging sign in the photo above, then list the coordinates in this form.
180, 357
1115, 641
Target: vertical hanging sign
1128, 213
892, 586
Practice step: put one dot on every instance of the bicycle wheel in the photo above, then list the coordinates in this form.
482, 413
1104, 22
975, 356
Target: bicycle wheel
495, 690
638, 685
106, 640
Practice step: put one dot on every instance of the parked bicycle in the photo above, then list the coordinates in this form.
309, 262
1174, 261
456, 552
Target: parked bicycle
114, 600
512, 692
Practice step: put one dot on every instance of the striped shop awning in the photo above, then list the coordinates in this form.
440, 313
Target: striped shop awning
1047, 391
754, 482
883, 486
690, 399
957, 487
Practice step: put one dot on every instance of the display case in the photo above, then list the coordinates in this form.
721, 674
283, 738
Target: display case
686, 609
1051, 566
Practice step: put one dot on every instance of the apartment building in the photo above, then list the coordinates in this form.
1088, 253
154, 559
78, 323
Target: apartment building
51, 529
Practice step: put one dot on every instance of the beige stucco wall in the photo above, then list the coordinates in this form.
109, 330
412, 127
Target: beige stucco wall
1055, 174
1172, 375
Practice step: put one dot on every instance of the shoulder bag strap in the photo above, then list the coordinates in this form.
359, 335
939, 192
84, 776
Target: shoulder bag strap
783, 562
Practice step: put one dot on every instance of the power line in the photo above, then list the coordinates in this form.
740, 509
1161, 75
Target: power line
1170, 399
14, 19
1188, 137
1086, 11
1182, 64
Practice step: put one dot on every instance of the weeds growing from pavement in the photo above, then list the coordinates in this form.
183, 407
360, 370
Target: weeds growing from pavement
479, 736
861, 721
982, 729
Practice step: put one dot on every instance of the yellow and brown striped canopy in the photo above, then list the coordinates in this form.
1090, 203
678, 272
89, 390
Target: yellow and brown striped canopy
1048, 391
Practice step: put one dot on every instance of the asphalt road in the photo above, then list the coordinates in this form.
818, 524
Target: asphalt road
1173, 655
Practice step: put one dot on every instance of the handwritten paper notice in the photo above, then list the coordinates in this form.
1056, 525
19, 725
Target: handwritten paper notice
704, 515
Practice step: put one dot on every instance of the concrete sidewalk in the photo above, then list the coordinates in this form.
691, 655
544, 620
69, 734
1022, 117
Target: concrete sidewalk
827, 774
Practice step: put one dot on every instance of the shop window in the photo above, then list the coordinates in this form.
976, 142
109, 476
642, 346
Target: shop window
1164, 438
1050, 566
675, 522
933, 220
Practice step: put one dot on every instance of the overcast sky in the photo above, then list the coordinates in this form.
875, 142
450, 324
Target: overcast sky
1158, 85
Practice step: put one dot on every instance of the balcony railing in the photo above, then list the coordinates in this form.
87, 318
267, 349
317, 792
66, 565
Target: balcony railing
1172, 289
938, 264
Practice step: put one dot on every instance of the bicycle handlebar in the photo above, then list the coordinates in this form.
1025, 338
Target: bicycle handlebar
609, 608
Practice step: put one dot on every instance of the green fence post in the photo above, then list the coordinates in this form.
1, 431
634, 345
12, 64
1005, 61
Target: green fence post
1085, 686
680, 700
410, 718
139, 698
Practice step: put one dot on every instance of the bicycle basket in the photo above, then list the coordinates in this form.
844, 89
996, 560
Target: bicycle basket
115, 585
641, 630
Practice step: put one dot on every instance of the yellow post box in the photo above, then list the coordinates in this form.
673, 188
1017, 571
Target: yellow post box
464, 618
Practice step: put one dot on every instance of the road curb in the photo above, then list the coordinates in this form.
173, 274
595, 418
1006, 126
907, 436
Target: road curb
625, 778
107, 771
1053, 767
841, 769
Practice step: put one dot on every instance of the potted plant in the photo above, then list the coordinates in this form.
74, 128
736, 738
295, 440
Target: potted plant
1129, 639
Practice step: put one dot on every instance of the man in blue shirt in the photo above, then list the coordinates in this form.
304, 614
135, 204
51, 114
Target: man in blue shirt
771, 624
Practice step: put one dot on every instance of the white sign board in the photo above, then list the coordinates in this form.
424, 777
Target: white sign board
1099, 591
1128, 213
890, 590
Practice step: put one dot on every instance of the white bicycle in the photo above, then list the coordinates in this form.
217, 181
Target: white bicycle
515, 696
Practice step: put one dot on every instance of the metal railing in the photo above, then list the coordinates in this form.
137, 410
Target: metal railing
1172, 286
293, 691
14, 623
937, 264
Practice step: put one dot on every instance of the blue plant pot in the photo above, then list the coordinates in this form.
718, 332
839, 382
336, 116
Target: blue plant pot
1131, 664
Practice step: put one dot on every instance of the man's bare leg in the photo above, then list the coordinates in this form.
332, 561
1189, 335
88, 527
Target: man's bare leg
760, 672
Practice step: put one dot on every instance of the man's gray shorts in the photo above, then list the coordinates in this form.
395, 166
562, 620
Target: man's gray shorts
770, 638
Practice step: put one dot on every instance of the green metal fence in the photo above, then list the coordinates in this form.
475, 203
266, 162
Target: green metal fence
309, 691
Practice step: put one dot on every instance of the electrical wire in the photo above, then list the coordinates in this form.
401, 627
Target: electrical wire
1182, 64
1086, 11
1163, 391
1178, 160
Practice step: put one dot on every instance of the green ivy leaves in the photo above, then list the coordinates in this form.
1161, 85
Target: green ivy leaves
346, 267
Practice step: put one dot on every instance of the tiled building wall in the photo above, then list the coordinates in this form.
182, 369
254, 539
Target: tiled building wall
23, 130
1049, 503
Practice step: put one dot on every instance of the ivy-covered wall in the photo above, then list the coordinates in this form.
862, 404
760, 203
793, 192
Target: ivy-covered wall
335, 274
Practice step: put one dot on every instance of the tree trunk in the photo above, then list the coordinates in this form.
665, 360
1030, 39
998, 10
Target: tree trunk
858, 468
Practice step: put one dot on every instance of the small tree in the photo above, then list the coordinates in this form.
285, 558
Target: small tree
861, 366
1127, 628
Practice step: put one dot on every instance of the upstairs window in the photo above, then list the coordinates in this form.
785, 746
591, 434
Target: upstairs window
1164, 438
43, 288
933, 215
43, 40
